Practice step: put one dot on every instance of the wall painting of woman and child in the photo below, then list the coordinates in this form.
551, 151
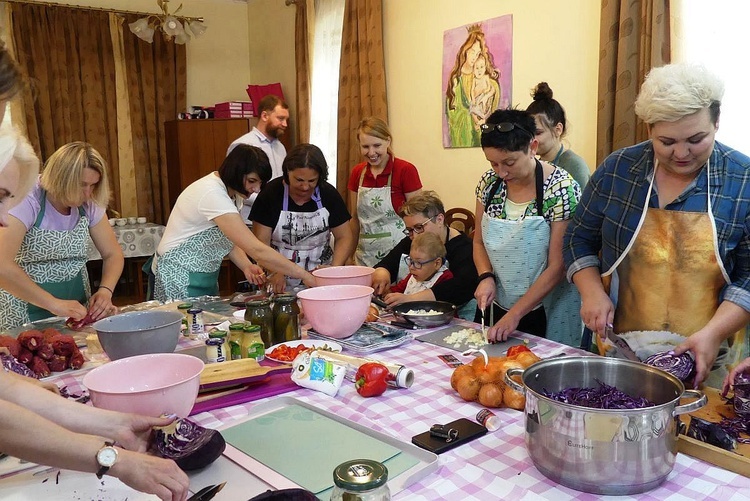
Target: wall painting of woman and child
476, 77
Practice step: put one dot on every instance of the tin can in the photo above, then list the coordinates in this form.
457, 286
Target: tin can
235, 340
258, 312
252, 344
195, 321
360, 480
286, 319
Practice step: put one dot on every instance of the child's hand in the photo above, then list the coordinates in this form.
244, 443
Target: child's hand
395, 298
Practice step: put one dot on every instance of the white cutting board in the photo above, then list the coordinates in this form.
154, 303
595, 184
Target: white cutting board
493, 350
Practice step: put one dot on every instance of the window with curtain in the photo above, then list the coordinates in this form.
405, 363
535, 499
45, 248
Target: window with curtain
713, 34
326, 57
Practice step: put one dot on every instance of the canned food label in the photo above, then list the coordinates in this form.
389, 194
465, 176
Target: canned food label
256, 351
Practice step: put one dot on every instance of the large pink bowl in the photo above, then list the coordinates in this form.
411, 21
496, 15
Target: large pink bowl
344, 275
155, 384
336, 310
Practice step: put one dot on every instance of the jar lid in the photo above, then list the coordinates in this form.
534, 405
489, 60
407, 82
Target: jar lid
195, 310
184, 306
285, 298
254, 303
213, 341
251, 328
217, 334
237, 326
360, 475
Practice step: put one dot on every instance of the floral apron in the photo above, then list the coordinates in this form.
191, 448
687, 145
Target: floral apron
303, 237
192, 268
56, 261
518, 252
380, 228
670, 278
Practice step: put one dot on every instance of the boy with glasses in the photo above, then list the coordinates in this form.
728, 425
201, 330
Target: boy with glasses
427, 267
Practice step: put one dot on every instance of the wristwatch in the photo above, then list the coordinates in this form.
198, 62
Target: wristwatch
106, 458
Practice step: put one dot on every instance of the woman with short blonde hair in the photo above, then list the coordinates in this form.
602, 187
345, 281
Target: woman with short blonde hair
44, 249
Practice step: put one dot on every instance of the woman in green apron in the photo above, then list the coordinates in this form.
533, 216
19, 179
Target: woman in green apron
205, 226
669, 217
523, 208
382, 184
299, 212
43, 251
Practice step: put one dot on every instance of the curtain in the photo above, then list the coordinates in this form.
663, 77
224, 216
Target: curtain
67, 54
302, 63
156, 79
362, 90
634, 37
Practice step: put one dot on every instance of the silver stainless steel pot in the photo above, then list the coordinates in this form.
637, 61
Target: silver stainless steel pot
600, 451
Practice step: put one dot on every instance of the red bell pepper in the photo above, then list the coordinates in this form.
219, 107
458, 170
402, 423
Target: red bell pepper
515, 350
372, 379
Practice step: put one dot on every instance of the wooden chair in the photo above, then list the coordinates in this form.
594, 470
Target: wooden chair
461, 219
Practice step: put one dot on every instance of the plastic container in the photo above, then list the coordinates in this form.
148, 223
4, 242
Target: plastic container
360, 480
489, 419
286, 319
258, 312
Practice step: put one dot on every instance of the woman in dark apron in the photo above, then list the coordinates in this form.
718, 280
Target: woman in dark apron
44, 248
299, 212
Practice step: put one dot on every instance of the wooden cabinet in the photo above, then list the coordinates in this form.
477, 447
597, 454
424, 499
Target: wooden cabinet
197, 147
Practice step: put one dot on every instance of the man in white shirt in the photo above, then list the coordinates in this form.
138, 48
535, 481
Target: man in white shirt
273, 116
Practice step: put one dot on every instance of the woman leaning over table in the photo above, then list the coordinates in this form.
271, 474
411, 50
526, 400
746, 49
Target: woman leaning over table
43, 250
660, 246
382, 184
205, 226
523, 208
298, 212
424, 213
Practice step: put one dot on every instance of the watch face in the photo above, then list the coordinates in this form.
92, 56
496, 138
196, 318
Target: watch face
107, 456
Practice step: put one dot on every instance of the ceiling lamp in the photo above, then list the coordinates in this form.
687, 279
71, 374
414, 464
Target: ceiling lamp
174, 27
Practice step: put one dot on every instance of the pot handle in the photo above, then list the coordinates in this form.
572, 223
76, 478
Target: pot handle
692, 406
512, 383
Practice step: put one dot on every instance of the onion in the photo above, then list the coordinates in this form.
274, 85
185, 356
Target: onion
680, 366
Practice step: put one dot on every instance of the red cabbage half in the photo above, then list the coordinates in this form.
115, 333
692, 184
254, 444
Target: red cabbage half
680, 366
190, 446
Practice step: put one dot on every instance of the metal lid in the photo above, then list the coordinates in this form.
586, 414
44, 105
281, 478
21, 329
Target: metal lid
195, 310
213, 341
285, 298
254, 303
251, 328
237, 326
360, 475
184, 306
217, 334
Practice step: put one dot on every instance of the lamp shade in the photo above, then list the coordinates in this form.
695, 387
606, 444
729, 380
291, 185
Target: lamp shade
142, 29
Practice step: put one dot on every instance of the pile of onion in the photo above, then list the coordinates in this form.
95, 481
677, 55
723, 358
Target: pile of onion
680, 366
483, 379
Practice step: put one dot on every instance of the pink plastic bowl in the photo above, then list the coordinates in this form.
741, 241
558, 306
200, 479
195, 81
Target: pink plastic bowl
336, 310
344, 275
156, 384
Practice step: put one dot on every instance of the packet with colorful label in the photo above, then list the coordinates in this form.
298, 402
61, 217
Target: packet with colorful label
312, 371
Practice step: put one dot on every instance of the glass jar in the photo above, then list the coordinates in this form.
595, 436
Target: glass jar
285, 318
183, 308
258, 312
235, 340
360, 480
195, 323
223, 337
252, 343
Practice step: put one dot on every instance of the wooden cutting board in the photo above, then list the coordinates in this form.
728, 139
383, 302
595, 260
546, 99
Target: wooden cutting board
236, 373
737, 461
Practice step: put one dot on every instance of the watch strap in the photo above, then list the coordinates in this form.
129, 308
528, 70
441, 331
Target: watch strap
103, 469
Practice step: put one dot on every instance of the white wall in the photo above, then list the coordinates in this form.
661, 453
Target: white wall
553, 41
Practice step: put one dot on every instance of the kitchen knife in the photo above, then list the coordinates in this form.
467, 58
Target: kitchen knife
621, 346
207, 492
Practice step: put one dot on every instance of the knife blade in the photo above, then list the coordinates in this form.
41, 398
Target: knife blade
207, 493
621, 346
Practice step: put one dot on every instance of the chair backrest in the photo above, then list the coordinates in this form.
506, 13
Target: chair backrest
460, 219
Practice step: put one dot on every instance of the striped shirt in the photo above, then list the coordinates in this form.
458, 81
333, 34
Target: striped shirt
613, 201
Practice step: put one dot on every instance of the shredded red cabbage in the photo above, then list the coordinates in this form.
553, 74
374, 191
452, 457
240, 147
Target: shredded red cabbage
680, 366
603, 397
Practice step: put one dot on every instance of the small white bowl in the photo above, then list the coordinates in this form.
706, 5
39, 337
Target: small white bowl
112, 221
141, 220
121, 221
132, 220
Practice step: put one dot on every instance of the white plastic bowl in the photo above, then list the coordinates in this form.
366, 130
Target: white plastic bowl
156, 384
336, 311
344, 275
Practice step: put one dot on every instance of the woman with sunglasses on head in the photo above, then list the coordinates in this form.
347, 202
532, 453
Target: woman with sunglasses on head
523, 207
424, 213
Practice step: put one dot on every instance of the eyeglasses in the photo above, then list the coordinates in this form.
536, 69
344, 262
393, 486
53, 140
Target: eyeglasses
417, 265
503, 127
418, 228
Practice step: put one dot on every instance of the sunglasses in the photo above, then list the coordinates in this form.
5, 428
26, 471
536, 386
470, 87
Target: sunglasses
417, 265
503, 127
418, 228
